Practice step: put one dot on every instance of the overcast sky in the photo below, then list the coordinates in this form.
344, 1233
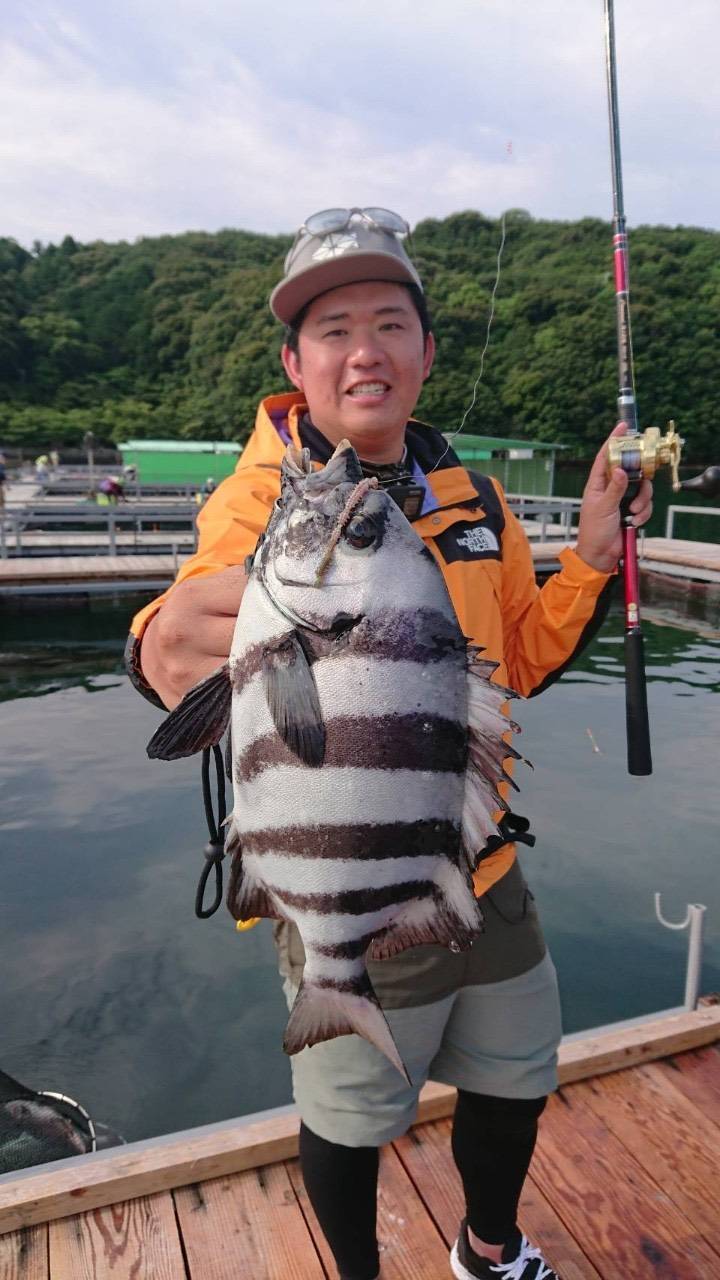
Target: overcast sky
155, 116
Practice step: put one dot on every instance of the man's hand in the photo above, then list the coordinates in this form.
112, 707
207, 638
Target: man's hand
191, 635
599, 541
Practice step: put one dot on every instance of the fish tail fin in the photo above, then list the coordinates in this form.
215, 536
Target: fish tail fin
323, 1011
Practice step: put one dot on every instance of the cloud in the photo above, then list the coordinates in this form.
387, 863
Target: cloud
159, 118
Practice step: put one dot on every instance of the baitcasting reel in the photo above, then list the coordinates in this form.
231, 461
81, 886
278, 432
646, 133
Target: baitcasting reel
643, 455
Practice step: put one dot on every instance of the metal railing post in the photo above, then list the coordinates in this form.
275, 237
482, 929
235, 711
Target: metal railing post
669, 522
112, 544
695, 918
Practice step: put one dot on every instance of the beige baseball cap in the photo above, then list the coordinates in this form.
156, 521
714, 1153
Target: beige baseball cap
319, 260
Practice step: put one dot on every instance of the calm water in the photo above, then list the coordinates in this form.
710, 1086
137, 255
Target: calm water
114, 993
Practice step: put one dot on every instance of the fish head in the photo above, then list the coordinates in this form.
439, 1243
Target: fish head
331, 535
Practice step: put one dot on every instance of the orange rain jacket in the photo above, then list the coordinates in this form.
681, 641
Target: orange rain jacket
533, 633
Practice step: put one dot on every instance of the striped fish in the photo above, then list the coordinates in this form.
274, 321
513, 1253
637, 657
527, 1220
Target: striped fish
367, 744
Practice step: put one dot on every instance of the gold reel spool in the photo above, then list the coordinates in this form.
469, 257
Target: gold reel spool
643, 454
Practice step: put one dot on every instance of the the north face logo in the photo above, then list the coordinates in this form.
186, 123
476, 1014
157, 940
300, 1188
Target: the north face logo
478, 540
334, 246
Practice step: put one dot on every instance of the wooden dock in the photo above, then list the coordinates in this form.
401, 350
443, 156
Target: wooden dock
697, 561
624, 1184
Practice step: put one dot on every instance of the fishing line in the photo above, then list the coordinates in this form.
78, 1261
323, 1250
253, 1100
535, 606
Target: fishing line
478, 380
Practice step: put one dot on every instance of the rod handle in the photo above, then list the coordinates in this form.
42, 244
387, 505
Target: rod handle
629, 496
639, 756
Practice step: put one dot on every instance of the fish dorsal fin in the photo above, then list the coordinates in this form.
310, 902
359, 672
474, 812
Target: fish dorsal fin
292, 698
487, 752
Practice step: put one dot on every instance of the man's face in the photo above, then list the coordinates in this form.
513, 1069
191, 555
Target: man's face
361, 364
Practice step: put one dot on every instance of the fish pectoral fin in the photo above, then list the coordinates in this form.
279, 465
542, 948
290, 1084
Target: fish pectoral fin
292, 698
324, 1012
198, 722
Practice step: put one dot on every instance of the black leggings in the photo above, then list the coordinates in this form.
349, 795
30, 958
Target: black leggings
492, 1144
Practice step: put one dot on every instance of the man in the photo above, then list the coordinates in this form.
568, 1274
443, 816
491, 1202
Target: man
358, 348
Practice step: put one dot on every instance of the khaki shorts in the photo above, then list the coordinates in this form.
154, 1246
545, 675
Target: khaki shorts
493, 1037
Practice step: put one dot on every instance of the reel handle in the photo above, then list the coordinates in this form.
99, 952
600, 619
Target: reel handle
707, 484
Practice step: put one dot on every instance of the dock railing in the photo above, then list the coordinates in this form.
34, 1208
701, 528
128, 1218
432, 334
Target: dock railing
696, 511
107, 520
544, 510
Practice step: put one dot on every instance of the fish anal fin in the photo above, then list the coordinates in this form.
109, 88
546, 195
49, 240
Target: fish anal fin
451, 918
292, 699
444, 933
198, 722
324, 1011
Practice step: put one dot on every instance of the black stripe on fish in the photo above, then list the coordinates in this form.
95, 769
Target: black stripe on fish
421, 635
361, 841
416, 741
356, 902
353, 949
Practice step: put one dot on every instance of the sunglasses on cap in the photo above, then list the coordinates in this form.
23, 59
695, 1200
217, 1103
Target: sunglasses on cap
329, 220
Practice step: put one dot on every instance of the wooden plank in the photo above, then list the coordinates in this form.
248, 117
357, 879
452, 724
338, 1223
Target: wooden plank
22, 569
217, 1150
140, 1168
683, 551
697, 1076
614, 1050
247, 1227
667, 1135
545, 1228
122, 1242
625, 1222
24, 1254
411, 1248
426, 1155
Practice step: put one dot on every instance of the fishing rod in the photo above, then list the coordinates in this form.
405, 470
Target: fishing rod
639, 454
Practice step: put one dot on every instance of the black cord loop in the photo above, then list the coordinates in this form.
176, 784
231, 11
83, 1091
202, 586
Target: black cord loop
214, 850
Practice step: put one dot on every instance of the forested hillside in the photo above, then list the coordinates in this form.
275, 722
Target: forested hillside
172, 336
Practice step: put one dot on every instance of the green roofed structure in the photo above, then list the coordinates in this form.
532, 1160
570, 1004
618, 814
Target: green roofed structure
521, 466
180, 461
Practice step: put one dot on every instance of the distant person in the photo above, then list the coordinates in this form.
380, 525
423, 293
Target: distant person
54, 459
130, 472
209, 487
112, 487
42, 465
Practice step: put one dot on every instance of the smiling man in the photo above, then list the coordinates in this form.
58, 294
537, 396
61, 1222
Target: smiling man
358, 347
365, 356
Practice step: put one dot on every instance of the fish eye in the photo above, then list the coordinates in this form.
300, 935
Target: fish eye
361, 532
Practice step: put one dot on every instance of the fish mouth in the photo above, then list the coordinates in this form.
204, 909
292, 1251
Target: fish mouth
341, 623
